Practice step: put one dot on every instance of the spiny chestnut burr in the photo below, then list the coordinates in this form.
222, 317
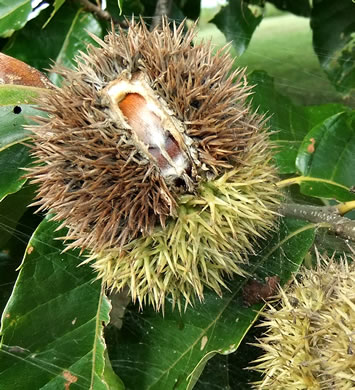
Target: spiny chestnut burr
155, 162
309, 341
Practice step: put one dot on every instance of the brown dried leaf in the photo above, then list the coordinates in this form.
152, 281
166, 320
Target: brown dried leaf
16, 72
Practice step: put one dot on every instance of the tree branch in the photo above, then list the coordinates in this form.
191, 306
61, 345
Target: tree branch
100, 13
88, 6
328, 217
162, 8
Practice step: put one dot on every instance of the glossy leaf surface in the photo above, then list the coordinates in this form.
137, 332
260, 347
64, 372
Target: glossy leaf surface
13, 116
59, 41
218, 325
52, 335
237, 22
288, 122
328, 154
13, 15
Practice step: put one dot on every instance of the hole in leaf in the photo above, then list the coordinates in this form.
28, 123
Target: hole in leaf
17, 110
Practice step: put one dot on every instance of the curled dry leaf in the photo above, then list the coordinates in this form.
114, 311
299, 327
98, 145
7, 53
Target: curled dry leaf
255, 291
16, 72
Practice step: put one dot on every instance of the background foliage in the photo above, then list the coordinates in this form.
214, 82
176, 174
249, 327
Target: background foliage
56, 330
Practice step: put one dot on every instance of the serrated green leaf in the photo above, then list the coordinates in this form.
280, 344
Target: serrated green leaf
112, 380
13, 15
11, 210
57, 4
218, 325
333, 26
238, 22
12, 159
17, 94
12, 119
60, 41
289, 123
15, 229
7, 277
326, 158
76, 39
318, 113
45, 43
52, 326
287, 120
13, 116
228, 371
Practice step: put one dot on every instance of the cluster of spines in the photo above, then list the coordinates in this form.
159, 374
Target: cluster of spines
199, 87
98, 184
309, 342
142, 231
209, 240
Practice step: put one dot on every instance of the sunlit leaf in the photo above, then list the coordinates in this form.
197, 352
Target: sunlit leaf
188, 340
288, 122
59, 41
76, 39
52, 326
57, 4
15, 72
13, 15
326, 158
13, 116
12, 119
17, 94
238, 22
